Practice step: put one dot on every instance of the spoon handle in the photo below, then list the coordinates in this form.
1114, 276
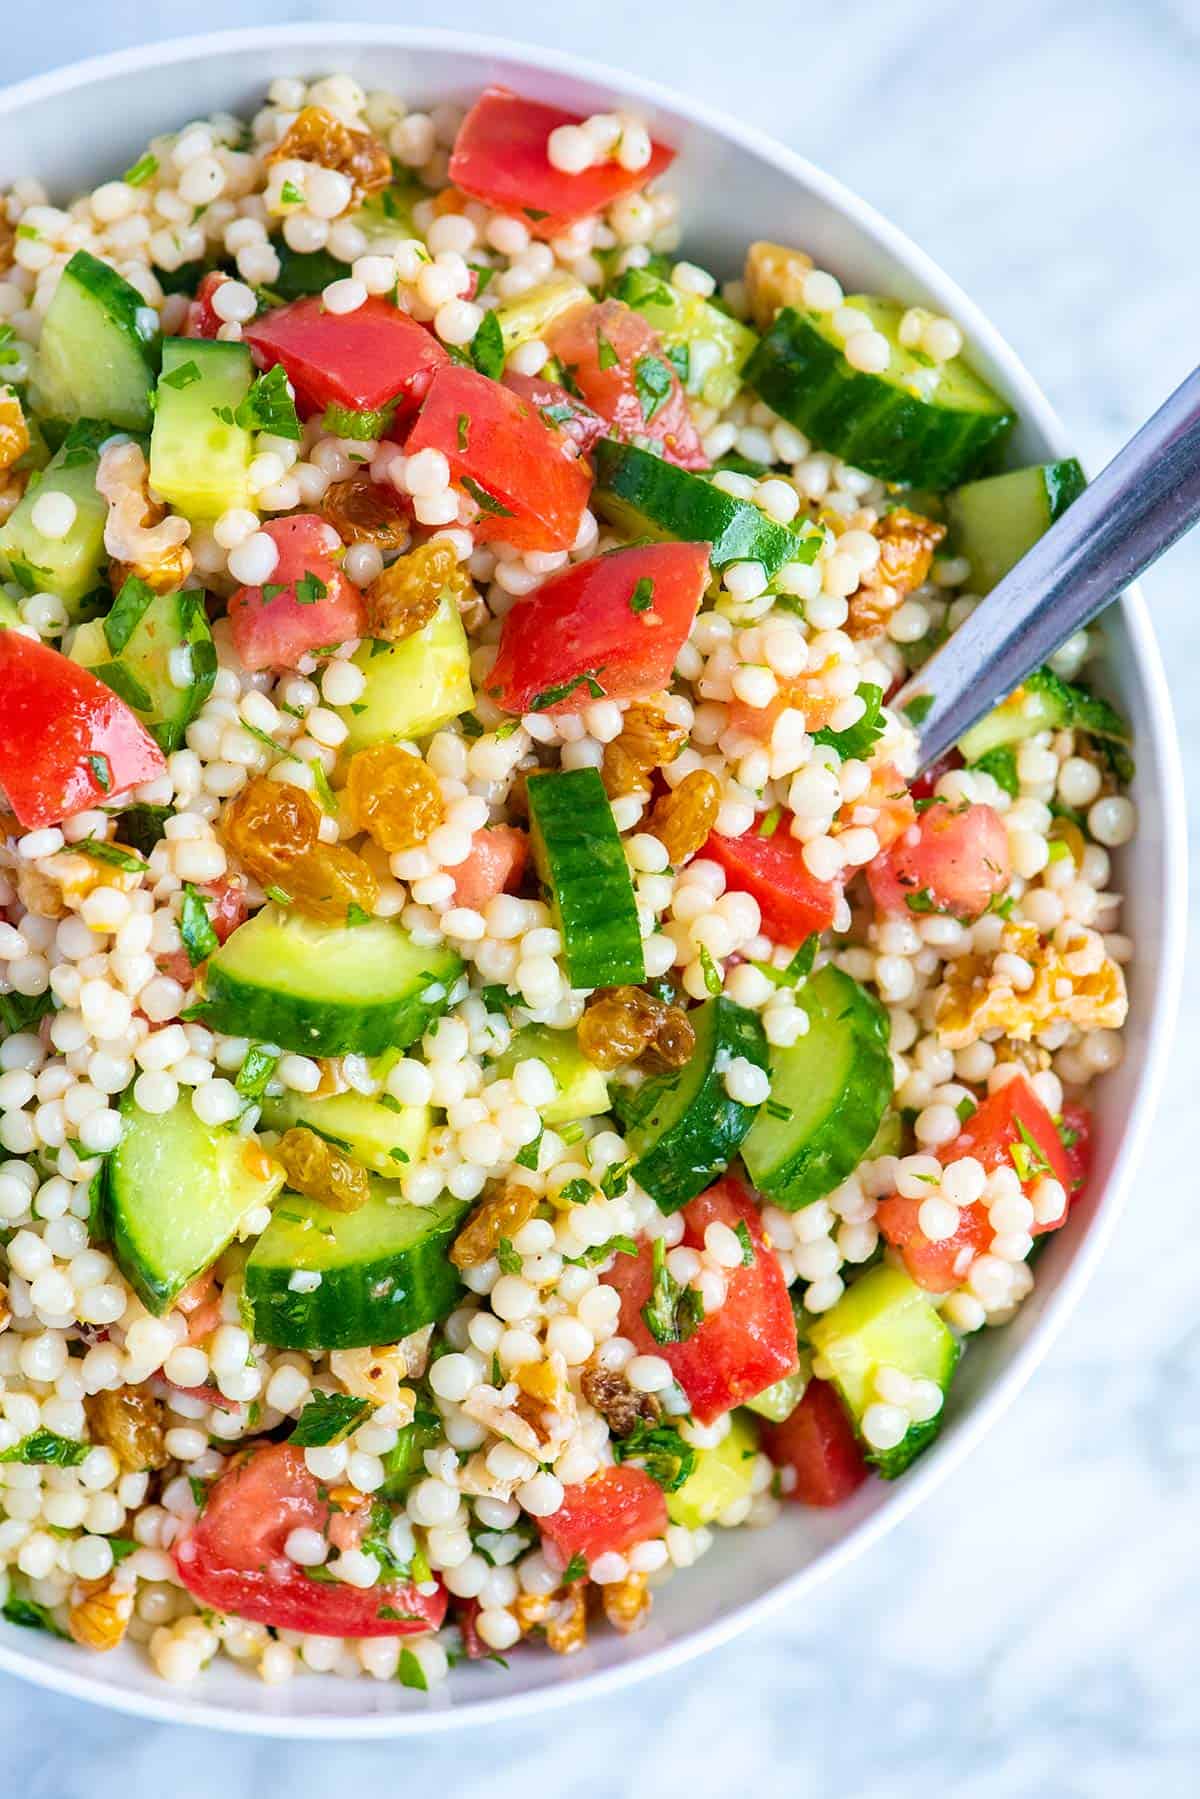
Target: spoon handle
1148, 496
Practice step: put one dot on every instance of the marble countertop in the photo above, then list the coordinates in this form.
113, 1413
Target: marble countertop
1030, 1633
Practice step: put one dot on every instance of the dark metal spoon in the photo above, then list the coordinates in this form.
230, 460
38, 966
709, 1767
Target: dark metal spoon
1146, 498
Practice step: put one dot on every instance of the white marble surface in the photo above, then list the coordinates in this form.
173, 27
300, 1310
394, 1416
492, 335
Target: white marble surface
1031, 1633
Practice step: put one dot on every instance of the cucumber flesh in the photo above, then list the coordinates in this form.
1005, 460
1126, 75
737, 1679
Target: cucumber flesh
413, 687
326, 990
644, 496
721, 1476
1044, 702
69, 566
579, 856
532, 313
177, 1190
711, 347
199, 461
930, 425
684, 1128
384, 1271
98, 350
829, 1092
996, 520
884, 1320
148, 640
375, 1134
582, 1088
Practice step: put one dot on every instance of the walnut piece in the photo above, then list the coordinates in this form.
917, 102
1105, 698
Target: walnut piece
774, 278
907, 542
99, 1615
1077, 983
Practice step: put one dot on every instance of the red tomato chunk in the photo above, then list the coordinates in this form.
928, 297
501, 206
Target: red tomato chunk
307, 602
610, 1512
950, 860
203, 320
362, 360
793, 903
526, 476
745, 1346
66, 740
233, 1559
558, 408
613, 625
500, 156
617, 364
818, 1444
495, 865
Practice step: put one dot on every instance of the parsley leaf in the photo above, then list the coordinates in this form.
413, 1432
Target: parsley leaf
195, 926
578, 1192
269, 406
101, 770
1001, 764
329, 1418
743, 1236
528, 1156
860, 739
672, 1313
506, 1255
485, 501
575, 1569
256, 1071
143, 170
464, 426
128, 610
606, 356
917, 709
310, 588
410, 1671
712, 974
186, 375
550, 696
29, 1614
642, 597
100, 851
43, 1448
487, 347
600, 1252
660, 1451
654, 380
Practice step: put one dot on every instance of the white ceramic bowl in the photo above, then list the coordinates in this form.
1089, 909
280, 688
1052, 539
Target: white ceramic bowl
85, 124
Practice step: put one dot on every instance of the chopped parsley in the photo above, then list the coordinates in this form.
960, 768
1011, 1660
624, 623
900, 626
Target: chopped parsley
487, 347
486, 501
45, 1448
1028, 1157
310, 588
654, 380
575, 1569
256, 1071
770, 822
966, 1108
642, 597
507, 1256
743, 1236
464, 427
267, 407
410, 1671
143, 170
110, 853
195, 926
290, 194
101, 770
660, 1451
917, 709
712, 974
1001, 764
672, 1313
606, 356
596, 1253
329, 1418
577, 1192
184, 376
29, 1615
550, 696
528, 1156
858, 740
128, 610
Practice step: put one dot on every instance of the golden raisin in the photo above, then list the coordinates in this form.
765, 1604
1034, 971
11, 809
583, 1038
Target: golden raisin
8, 241
320, 1171
647, 740
619, 1404
5, 1314
618, 1024
99, 1617
362, 511
531, 1610
683, 818
328, 881
130, 1422
315, 135
501, 1215
273, 828
566, 1627
626, 1603
12, 492
674, 1041
394, 796
403, 599
14, 433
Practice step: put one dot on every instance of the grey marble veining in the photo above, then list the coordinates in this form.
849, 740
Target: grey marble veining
1031, 1632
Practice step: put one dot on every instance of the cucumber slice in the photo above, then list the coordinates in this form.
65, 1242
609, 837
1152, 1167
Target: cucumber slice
326, 990
643, 496
385, 1271
780, 1401
176, 1192
710, 347
68, 566
198, 459
884, 1320
1043, 702
98, 350
828, 1094
721, 1476
578, 852
996, 520
532, 313
413, 687
156, 651
684, 1128
303, 272
10, 612
382, 1136
582, 1088
928, 424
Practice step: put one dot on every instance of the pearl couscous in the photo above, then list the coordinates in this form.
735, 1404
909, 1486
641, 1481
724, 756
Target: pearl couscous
504, 1070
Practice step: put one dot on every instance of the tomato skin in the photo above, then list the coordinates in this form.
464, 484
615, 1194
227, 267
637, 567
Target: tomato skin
534, 473
495, 865
988, 1135
612, 1511
202, 320
233, 1560
276, 632
500, 157
959, 857
54, 717
817, 1441
748, 1344
584, 426
793, 903
363, 359
612, 391
579, 622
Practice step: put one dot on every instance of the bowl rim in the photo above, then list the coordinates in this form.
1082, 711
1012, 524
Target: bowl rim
1163, 1003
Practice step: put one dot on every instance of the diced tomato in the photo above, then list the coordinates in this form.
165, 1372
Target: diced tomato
1077, 1126
363, 359
1012, 1116
233, 1559
818, 1443
760, 721
496, 863
749, 1343
202, 318
951, 860
206, 1395
922, 788
66, 740
526, 476
274, 625
617, 363
227, 907
474, 1647
610, 1512
578, 632
558, 407
200, 1303
501, 157
793, 903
